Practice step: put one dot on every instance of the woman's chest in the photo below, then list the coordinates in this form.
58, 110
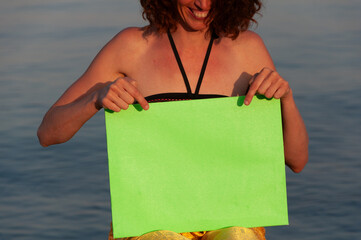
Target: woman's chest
225, 73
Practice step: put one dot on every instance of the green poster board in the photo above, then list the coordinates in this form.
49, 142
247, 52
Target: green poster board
196, 165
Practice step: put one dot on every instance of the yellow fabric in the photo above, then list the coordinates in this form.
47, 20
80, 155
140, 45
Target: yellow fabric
194, 235
229, 233
236, 233
258, 232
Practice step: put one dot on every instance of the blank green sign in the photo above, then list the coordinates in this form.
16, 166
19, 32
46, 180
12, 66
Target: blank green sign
196, 165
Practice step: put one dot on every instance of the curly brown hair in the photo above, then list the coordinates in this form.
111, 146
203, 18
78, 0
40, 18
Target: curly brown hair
226, 18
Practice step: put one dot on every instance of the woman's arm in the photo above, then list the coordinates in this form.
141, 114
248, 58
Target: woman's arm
295, 135
269, 83
102, 85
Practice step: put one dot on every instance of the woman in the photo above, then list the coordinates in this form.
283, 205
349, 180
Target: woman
163, 62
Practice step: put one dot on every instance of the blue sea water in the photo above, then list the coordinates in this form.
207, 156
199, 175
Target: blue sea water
62, 192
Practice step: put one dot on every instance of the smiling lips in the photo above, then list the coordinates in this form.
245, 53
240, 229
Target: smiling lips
199, 15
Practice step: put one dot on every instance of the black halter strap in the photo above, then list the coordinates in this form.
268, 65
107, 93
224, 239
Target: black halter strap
180, 65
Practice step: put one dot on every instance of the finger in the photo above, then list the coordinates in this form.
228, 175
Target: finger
252, 79
270, 91
282, 91
129, 85
134, 92
118, 101
108, 104
272, 78
126, 97
119, 90
250, 94
253, 88
265, 85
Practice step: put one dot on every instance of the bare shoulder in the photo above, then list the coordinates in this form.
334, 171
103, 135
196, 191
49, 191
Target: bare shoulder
249, 40
114, 60
129, 37
250, 36
253, 46
118, 55
127, 42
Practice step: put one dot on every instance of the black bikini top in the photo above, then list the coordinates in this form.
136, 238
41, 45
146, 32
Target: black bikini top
175, 96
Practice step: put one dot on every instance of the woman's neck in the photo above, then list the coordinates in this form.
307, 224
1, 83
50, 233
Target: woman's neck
186, 39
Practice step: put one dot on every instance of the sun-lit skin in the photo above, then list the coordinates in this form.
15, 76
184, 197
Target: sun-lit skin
131, 67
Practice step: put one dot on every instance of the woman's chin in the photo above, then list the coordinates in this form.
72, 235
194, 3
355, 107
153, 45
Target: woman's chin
197, 27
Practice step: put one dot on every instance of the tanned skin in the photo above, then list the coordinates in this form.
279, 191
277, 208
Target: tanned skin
131, 66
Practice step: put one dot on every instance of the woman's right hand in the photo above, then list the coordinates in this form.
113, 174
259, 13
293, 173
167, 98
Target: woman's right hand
119, 95
94, 90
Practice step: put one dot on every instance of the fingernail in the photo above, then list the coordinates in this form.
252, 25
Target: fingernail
146, 107
246, 102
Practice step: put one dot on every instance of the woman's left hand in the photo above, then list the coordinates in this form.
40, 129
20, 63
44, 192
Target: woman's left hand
268, 83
